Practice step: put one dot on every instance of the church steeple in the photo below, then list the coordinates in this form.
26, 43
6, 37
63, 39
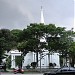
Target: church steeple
42, 16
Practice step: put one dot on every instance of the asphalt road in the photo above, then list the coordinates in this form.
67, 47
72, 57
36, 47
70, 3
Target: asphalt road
18, 74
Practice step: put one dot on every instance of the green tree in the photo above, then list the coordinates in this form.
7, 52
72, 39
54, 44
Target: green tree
15, 39
30, 38
5, 42
18, 61
57, 39
72, 54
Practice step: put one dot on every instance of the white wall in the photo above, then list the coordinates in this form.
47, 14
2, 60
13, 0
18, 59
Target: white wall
53, 59
28, 59
44, 61
31, 57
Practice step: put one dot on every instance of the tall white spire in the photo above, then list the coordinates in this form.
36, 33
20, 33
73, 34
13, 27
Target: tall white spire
42, 16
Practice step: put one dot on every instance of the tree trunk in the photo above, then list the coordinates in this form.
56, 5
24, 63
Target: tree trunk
37, 58
72, 64
66, 60
49, 56
40, 62
49, 59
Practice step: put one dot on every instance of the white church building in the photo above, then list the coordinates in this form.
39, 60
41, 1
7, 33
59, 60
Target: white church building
31, 56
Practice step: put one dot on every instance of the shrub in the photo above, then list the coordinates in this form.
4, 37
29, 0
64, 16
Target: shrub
34, 65
52, 65
28, 66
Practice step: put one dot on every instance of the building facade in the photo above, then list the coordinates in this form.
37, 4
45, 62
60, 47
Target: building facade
30, 57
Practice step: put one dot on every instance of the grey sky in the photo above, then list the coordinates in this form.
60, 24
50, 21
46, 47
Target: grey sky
17, 14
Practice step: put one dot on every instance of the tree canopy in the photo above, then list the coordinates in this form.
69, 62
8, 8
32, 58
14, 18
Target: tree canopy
37, 37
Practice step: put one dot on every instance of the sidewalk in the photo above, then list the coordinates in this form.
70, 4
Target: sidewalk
33, 71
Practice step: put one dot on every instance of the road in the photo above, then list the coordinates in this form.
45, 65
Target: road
18, 74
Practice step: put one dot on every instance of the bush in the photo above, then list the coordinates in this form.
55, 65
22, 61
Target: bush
28, 66
8, 62
34, 65
52, 65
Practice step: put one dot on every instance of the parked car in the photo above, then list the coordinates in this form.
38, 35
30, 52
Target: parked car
62, 71
18, 71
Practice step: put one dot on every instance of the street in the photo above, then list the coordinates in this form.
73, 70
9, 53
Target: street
18, 74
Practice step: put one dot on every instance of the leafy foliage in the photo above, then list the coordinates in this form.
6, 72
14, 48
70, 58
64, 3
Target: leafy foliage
57, 39
5, 42
34, 65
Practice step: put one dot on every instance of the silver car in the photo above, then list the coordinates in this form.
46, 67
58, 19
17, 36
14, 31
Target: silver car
62, 71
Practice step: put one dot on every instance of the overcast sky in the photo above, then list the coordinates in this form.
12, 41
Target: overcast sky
17, 14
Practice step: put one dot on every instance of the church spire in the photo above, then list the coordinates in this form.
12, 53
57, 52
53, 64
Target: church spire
42, 16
